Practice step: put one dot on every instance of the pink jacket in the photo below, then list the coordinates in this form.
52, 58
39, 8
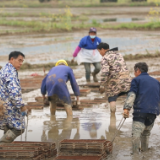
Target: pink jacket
76, 51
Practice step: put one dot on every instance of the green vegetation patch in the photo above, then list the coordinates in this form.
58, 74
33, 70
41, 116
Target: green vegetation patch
46, 66
67, 25
73, 3
128, 57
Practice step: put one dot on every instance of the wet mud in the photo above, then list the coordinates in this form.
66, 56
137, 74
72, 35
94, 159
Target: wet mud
43, 48
93, 122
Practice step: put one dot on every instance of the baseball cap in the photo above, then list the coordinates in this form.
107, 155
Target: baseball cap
92, 29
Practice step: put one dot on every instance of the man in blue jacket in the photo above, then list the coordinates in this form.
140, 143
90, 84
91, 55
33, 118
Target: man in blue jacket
144, 96
55, 85
12, 119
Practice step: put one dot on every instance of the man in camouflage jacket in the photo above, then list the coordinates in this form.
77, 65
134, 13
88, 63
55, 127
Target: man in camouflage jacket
115, 77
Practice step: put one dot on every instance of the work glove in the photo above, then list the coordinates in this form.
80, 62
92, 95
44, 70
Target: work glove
101, 89
24, 113
126, 113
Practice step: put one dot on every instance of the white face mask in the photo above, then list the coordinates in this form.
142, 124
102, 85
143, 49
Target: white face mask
92, 37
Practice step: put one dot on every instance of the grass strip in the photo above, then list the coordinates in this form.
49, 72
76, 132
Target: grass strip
46, 65
75, 3
128, 57
39, 26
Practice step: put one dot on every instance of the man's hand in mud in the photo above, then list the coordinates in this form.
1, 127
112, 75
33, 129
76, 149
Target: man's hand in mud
78, 102
24, 111
101, 89
72, 61
1, 108
126, 113
44, 97
24, 108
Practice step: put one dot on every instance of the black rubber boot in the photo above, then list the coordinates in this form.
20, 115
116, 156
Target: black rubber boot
95, 79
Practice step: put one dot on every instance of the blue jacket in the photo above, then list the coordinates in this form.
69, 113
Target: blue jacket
147, 90
11, 94
55, 83
87, 43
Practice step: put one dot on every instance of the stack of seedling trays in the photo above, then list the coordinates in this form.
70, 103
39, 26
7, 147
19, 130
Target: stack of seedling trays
85, 148
27, 150
79, 158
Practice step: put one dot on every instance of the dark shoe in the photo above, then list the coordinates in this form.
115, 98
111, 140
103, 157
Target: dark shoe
88, 80
94, 77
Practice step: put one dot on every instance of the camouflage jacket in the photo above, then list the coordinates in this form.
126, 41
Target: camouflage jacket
114, 73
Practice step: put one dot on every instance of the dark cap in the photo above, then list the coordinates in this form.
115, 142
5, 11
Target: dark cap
92, 30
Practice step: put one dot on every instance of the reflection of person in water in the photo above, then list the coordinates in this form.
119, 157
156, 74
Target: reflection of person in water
54, 126
111, 128
92, 127
66, 132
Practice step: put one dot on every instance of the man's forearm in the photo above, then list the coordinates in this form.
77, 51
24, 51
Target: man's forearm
129, 101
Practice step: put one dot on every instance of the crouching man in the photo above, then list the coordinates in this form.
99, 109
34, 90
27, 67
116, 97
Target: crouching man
12, 106
55, 85
144, 96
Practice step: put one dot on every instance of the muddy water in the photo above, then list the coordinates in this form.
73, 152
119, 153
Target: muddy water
94, 122
44, 48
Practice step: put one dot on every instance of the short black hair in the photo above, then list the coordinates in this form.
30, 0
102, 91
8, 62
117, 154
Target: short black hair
15, 55
103, 45
142, 66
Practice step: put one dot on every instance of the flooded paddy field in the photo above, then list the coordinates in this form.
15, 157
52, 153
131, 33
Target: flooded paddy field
95, 121
45, 48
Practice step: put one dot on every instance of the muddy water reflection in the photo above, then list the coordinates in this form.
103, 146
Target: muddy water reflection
91, 123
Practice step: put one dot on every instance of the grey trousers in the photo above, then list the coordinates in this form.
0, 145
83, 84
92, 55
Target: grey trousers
53, 100
140, 136
87, 67
10, 135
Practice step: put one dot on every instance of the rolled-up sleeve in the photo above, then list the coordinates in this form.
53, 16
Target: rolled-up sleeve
14, 91
74, 84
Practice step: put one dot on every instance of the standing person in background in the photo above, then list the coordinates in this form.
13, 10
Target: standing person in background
88, 54
144, 97
115, 77
12, 122
55, 86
